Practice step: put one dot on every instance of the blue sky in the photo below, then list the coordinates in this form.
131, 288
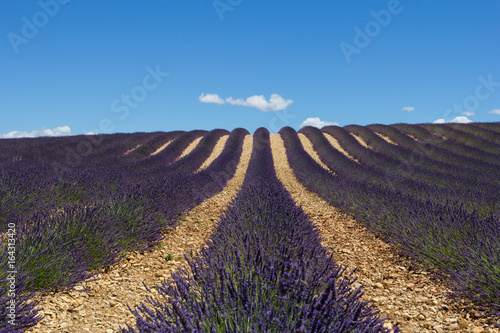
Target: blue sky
127, 66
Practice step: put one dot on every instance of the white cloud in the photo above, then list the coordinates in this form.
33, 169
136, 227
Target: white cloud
233, 101
91, 133
461, 120
211, 98
469, 113
58, 131
316, 122
495, 111
457, 120
276, 102
408, 108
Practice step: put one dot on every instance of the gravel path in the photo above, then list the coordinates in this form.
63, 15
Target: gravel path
309, 147
159, 150
360, 140
386, 138
337, 146
219, 147
190, 148
104, 308
403, 292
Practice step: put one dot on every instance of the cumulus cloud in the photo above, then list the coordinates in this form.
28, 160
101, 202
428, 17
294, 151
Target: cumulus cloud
469, 113
495, 111
408, 108
461, 120
316, 122
457, 120
211, 98
58, 131
276, 102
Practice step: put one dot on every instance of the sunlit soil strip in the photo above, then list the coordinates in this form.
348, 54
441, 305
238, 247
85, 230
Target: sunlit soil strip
399, 289
335, 144
386, 138
191, 147
438, 135
219, 147
414, 138
360, 140
157, 151
105, 307
308, 147
131, 150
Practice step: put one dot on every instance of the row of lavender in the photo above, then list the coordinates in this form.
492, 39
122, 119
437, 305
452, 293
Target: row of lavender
408, 171
447, 221
108, 204
263, 270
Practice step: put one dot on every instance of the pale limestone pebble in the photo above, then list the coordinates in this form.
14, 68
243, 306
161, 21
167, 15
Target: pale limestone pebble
477, 329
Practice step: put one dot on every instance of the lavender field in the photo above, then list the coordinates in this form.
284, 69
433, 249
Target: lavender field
75, 208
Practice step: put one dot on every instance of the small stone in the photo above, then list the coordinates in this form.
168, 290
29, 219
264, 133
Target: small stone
109, 330
427, 325
64, 325
421, 317
78, 288
49, 312
386, 284
378, 285
112, 303
356, 285
159, 274
477, 330
463, 323
476, 315
454, 327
